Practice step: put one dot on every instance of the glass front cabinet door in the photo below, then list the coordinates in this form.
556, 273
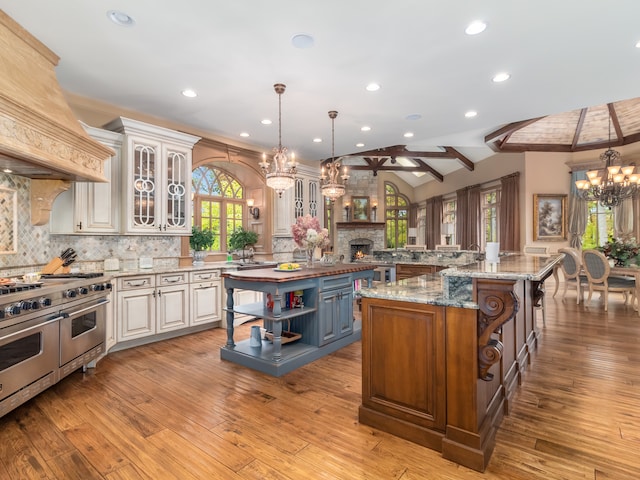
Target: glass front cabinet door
157, 179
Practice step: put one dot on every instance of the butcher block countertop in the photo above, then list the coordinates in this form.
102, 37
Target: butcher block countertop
272, 275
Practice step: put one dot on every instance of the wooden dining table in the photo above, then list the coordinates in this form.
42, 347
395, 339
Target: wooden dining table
616, 271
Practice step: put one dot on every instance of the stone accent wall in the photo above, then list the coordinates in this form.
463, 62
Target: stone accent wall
347, 232
36, 246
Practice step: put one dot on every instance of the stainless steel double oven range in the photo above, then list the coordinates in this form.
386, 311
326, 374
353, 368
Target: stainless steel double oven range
47, 331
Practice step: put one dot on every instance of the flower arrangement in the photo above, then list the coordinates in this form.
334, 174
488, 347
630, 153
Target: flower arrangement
308, 234
624, 252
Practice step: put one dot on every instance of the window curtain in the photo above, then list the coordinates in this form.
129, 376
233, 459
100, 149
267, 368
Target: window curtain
434, 220
462, 202
474, 219
509, 215
578, 213
623, 220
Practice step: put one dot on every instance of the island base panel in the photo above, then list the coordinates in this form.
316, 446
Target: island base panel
294, 355
409, 431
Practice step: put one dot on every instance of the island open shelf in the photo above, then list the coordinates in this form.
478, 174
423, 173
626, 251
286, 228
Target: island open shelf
325, 321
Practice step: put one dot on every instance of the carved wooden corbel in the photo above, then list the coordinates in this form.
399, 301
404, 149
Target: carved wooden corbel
43, 193
498, 304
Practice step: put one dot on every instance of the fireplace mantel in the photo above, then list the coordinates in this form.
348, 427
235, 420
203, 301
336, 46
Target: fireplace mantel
350, 225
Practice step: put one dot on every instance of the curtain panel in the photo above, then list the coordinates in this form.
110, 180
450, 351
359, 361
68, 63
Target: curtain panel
509, 216
578, 213
434, 220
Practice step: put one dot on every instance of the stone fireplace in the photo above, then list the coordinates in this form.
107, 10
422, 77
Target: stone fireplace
358, 247
353, 237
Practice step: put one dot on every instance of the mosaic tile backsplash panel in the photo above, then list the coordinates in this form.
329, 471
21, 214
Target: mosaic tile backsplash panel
36, 246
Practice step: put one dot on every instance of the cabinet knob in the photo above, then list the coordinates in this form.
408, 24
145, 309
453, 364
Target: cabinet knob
79, 225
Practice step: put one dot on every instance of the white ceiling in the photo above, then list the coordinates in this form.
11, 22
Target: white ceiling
561, 54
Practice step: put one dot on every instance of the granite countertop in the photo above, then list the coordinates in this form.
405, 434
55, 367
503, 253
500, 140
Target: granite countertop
224, 266
427, 289
453, 286
511, 267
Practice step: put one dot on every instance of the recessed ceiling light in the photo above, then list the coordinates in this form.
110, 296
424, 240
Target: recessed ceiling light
359, 145
475, 28
408, 134
471, 114
365, 128
302, 40
317, 140
244, 134
413, 116
501, 77
638, 45
120, 18
189, 93
373, 87
266, 121
7, 170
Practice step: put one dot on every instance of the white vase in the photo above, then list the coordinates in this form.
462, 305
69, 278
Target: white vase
198, 258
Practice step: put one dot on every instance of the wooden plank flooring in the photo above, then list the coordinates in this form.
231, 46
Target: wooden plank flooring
174, 410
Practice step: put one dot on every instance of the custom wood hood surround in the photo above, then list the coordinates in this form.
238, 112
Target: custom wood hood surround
39, 136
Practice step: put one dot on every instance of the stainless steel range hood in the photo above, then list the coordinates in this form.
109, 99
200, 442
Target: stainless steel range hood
39, 136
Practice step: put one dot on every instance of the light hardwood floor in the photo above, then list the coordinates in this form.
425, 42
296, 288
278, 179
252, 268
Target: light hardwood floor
174, 410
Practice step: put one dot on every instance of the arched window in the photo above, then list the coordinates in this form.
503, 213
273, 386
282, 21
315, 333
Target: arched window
218, 203
396, 211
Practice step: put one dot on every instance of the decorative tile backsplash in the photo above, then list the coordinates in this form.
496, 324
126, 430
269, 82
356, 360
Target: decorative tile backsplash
36, 246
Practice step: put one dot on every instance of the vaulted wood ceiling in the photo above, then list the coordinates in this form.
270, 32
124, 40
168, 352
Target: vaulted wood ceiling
591, 128
575, 131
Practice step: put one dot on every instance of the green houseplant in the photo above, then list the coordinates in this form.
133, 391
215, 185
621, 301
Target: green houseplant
200, 241
241, 238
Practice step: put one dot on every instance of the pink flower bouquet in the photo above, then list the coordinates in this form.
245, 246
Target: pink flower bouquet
308, 234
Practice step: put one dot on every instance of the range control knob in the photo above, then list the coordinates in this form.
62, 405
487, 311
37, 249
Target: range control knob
70, 294
26, 305
44, 301
83, 290
108, 286
12, 310
97, 287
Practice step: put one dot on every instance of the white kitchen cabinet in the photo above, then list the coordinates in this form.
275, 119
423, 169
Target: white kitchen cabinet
156, 178
111, 333
304, 198
205, 293
151, 304
172, 302
136, 307
89, 207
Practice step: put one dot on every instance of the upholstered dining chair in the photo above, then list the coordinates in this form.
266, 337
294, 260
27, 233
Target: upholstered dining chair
597, 268
571, 267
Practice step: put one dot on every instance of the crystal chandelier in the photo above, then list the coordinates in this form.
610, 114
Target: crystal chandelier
611, 185
332, 188
281, 174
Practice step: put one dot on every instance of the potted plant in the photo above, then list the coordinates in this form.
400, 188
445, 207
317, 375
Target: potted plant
200, 241
241, 238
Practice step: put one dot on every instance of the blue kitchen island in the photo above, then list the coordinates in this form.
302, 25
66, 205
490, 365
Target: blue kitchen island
320, 318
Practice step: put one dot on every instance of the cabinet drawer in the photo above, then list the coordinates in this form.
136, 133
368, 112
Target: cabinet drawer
336, 282
172, 278
204, 275
136, 281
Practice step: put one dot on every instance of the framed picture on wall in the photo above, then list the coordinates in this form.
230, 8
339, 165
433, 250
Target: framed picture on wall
549, 217
360, 209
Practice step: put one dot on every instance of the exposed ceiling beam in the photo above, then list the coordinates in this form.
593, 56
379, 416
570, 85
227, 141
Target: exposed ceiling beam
388, 164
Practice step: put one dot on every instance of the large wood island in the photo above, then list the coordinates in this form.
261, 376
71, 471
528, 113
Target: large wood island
324, 319
443, 354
